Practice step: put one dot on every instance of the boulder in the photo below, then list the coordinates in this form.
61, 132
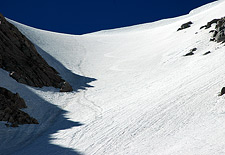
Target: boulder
185, 25
222, 91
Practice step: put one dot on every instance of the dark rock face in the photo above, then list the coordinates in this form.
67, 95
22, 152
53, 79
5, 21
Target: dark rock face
185, 25
19, 56
15, 98
218, 34
10, 105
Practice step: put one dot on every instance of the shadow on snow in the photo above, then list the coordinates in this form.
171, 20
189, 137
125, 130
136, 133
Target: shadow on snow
37, 138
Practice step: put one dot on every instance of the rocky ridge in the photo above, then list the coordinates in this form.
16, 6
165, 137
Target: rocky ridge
19, 57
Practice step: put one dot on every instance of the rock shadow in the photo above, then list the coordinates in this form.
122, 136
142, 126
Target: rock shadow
34, 139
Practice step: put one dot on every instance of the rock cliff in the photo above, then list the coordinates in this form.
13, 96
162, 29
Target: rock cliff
19, 57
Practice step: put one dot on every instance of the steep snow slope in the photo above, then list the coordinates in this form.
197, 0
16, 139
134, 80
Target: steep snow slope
146, 98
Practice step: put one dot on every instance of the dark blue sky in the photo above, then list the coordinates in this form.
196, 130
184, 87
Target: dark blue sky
83, 16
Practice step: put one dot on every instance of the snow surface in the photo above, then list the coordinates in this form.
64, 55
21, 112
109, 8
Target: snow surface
135, 93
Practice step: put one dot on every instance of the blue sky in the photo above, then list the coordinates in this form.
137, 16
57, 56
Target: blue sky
84, 16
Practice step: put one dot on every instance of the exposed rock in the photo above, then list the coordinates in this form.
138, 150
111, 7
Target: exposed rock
189, 53
19, 57
214, 33
15, 99
209, 24
202, 27
193, 49
207, 53
220, 25
185, 25
212, 39
219, 32
220, 36
222, 91
10, 105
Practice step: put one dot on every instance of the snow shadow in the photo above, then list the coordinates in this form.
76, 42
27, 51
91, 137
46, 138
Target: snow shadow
34, 139
78, 82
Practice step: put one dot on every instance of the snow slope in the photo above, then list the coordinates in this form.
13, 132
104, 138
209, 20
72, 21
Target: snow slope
135, 92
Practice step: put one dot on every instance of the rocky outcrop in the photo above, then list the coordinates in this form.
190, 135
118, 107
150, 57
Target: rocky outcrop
209, 24
19, 57
10, 105
218, 34
185, 25
191, 52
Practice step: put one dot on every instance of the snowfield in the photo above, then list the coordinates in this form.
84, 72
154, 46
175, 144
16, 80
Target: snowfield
135, 92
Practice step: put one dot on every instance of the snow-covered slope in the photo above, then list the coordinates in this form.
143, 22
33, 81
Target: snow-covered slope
135, 92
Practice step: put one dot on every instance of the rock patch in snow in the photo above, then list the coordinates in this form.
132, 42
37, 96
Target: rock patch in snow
191, 52
206, 53
222, 91
185, 25
10, 105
